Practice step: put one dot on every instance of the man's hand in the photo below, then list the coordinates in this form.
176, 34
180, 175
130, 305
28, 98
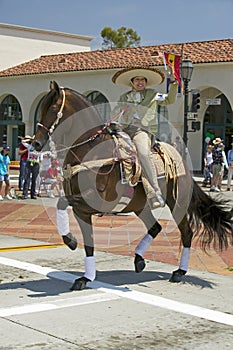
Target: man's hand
170, 73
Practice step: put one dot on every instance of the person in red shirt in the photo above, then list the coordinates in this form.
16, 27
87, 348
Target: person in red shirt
23, 153
53, 177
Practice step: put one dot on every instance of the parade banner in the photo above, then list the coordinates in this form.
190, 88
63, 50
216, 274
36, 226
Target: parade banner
173, 61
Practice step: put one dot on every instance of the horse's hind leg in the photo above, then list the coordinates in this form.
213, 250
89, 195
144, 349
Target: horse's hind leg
153, 228
186, 238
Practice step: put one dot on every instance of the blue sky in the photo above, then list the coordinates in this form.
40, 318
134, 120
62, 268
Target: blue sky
156, 22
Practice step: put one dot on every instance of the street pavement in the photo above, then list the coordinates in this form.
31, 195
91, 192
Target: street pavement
120, 310
36, 219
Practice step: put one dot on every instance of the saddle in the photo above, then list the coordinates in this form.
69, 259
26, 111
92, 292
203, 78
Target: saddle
165, 160
125, 152
167, 163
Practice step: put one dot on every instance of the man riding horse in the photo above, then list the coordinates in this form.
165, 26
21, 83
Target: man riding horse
90, 190
138, 115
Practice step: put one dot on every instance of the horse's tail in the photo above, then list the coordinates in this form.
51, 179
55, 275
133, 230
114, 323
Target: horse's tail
210, 219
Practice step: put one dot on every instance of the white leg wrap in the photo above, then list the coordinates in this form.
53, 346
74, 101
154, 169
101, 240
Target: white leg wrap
144, 244
90, 270
184, 260
63, 226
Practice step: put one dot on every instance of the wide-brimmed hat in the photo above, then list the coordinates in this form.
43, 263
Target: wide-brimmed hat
217, 141
152, 75
27, 138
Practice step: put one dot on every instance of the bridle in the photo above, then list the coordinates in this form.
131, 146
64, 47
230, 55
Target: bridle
59, 116
91, 138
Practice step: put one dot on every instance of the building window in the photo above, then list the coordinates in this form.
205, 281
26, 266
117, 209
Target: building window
101, 104
10, 109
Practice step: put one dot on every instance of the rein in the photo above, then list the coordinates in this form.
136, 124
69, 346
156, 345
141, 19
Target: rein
60, 115
90, 139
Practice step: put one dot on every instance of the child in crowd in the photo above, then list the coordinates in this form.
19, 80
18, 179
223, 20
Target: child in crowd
53, 177
208, 162
5, 172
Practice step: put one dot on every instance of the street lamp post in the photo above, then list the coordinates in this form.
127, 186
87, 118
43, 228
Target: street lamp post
186, 74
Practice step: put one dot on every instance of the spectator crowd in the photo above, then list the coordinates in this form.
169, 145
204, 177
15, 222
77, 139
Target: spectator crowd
36, 170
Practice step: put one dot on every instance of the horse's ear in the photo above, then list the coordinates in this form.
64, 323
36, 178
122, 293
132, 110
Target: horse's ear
54, 86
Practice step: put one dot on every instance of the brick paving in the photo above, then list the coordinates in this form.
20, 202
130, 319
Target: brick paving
116, 234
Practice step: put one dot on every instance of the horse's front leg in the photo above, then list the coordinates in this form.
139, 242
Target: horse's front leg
186, 237
90, 268
63, 224
153, 228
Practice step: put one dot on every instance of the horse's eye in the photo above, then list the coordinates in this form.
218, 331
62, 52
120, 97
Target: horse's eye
54, 109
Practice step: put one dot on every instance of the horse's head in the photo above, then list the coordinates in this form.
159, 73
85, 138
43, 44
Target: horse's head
57, 106
50, 115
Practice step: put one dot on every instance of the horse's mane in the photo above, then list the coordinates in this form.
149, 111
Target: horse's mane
49, 99
81, 96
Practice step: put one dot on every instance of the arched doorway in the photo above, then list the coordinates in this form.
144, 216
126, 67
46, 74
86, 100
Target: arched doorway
11, 125
218, 121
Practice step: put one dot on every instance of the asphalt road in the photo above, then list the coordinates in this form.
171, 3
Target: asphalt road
120, 310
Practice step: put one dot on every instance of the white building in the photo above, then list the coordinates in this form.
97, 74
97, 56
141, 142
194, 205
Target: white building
20, 44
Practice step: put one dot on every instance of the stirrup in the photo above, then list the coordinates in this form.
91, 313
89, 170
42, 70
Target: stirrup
160, 199
157, 201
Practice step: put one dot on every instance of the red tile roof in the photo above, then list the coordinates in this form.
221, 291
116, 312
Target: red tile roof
211, 51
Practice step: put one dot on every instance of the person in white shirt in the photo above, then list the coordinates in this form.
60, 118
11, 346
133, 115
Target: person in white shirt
208, 162
224, 164
230, 169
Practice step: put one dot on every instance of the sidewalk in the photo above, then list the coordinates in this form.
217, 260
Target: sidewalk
36, 219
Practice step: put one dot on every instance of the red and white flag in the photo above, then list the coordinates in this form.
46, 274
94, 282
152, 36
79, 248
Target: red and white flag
173, 61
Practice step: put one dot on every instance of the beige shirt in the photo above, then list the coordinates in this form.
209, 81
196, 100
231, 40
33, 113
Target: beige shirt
142, 107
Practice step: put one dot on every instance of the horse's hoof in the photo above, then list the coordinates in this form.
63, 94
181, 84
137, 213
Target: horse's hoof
80, 283
139, 263
177, 275
70, 241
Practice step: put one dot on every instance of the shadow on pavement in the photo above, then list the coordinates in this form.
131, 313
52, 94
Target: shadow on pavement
55, 286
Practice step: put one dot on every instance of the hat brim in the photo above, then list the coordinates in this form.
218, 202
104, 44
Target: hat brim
27, 138
217, 142
152, 75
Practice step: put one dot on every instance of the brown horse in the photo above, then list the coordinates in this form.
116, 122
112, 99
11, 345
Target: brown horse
92, 184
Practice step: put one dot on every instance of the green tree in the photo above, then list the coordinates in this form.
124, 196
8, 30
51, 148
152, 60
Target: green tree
122, 37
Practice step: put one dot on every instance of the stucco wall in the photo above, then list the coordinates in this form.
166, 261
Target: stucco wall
21, 44
30, 89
